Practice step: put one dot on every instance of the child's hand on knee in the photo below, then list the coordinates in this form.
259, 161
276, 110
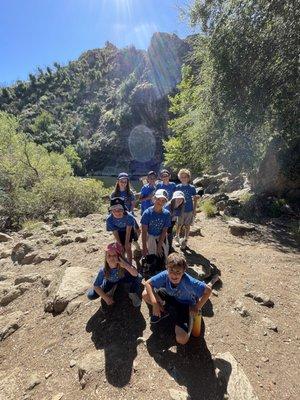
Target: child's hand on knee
109, 301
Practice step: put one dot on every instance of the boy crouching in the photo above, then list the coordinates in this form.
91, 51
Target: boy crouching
174, 288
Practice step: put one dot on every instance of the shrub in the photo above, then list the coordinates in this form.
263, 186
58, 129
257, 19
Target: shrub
209, 208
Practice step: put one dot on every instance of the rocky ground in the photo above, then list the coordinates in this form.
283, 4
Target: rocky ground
55, 344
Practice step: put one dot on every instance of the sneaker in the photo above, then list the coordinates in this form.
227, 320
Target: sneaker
112, 291
177, 241
155, 319
183, 244
136, 301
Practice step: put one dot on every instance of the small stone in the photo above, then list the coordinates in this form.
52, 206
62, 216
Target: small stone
72, 363
81, 238
264, 359
60, 231
269, 324
46, 280
83, 383
48, 375
58, 396
33, 382
27, 278
241, 309
215, 293
65, 240
261, 298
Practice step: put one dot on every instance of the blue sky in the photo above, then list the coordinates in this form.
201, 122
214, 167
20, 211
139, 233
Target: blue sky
35, 33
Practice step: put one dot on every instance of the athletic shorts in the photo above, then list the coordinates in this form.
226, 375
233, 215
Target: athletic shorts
186, 218
179, 311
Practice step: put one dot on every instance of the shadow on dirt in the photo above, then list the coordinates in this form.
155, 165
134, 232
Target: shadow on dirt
192, 365
116, 329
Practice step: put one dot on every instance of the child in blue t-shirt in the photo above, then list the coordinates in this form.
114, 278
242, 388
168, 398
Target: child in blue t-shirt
155, 222
123, 189
176, 208
175, 290
166, 184
148, 191
190, 207
116, 270
121, 223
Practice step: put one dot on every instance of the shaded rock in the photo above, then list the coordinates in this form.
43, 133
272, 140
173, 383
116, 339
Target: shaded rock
9, 324
269, 324
13, 294
27, 278
4, 237
3, 277
178, 395
195, 230
29, 258
213, 187
221, 205
48, 375
60, 231
240, 229
233, 184
34, 380
92, 248
72, 363
75, 282
219, 197
201, 272
81, 238
46, 280
261, 298
241, 309
20, 250
5, 253
93, 362
49, 256
232, 377
65, 240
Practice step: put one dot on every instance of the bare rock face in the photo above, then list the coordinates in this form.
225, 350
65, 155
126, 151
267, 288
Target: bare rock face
75, 282
232, 377
279, 171
9, 324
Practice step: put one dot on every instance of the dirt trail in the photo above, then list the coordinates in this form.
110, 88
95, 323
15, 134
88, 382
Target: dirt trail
149, 368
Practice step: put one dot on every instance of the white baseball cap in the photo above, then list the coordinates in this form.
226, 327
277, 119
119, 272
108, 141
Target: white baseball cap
161, 193
178, 195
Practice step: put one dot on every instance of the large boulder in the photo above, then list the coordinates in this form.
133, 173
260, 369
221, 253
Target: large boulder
239, 229
232, 377
279, 171
75, 282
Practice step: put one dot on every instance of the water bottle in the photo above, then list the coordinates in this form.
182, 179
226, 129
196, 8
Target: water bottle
196, 331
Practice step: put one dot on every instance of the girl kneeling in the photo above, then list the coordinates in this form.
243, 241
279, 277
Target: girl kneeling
116, 270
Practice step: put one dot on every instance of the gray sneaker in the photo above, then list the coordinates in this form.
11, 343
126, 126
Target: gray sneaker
183, 243
136, 301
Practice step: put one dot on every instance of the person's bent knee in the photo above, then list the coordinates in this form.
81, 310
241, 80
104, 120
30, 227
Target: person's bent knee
92, 295
182, 339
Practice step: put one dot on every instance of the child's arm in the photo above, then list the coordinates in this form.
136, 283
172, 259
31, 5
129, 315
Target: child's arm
117, 237
195, 202
127, 243
108, 300
200, 303
144, 239
156, 306
130, 268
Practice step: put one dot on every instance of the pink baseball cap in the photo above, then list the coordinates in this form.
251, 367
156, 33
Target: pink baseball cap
114, 248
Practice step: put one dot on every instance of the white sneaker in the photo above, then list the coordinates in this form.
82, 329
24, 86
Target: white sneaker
177, 241
183, 243
136, 301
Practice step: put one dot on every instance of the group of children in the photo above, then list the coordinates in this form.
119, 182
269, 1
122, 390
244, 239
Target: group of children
163, 204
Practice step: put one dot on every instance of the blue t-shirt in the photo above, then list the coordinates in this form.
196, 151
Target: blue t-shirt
119, 224
189, 191
188, 291
128, 198
170, 188
146, 191
156, 221
114, 276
